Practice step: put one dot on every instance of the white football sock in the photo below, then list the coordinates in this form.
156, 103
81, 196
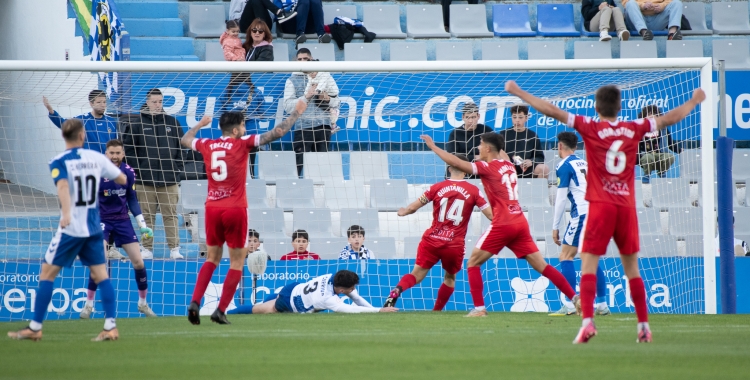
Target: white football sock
109, 323
36, 326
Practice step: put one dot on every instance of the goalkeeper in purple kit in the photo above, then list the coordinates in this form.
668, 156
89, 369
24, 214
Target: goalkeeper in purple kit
114, 202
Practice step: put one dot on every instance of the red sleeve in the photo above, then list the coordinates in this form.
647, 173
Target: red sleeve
480, 167
285, 257
428, 195
481, 202
643, 126
199, 145
250, 141
579, 123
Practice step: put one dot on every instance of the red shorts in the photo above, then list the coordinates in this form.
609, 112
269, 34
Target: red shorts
605, 221
226, 224
451, 256
516, 237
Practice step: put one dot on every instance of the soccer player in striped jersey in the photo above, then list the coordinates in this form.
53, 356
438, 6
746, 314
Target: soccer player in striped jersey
571, 187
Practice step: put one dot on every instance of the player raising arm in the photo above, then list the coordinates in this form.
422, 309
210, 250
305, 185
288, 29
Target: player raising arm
612, 151
509, 227
226, 204
453, 201
76, 173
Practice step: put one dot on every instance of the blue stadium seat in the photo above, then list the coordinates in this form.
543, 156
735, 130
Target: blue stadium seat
511, 20
556, 20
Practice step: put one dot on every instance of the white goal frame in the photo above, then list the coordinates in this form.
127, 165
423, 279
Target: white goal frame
704, 64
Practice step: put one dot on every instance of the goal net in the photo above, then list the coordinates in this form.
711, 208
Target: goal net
359, 170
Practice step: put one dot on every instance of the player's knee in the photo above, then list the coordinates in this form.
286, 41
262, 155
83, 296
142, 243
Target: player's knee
138, 264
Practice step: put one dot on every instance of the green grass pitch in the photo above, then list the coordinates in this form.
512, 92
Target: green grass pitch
411, 345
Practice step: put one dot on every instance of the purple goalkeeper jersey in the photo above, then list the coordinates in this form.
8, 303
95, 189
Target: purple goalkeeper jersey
114, 199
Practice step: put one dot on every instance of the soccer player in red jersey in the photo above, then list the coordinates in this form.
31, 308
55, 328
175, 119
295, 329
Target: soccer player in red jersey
453, 201
509, 227
611, 151
226, 204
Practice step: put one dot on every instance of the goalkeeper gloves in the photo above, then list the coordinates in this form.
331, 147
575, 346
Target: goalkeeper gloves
145, 231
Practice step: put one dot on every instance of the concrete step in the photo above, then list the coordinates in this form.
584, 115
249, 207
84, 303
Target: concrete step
154, 27
164, 46
188, 57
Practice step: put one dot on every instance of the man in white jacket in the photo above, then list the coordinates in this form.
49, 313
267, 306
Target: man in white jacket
313, 129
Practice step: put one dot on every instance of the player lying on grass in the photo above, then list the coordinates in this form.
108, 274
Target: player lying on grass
612, 152
571, 186
114, 202
453, 202
319, 294
76, 173
509, 227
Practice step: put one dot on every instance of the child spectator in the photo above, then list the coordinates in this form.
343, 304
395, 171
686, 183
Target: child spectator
300, 241
253, 243
356, 248
233, 51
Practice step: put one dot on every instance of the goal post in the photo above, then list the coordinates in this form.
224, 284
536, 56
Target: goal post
385, 106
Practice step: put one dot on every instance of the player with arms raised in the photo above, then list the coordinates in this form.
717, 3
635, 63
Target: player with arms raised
226, 204
453, 201
612, 151
76, 173
509, 227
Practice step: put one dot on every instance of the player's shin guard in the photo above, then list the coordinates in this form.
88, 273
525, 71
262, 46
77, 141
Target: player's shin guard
476, 285
204, 277
569, 271
588, 292
141, 281
230, 287
407, 282
109, 301
43, 298
638, 294
444, 294
559, 280
601, 284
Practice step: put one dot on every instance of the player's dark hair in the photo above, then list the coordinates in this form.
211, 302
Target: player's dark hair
649, 110
461, 157
95, 94
495, 140
355, 229
114, 142
469, 108
608, 100
229, 120
569, 139
153, 91
300, 234
303, 51
71, 128
253, 233
519, 109
231, 24
345, 279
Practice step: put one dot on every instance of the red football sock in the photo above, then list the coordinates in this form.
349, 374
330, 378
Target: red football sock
638, 294
407, 282
559, 280
444, 294
204, 277
476, 285
230, 287
588, 293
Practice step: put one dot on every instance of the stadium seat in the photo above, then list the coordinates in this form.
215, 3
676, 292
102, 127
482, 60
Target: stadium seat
670, 192
206, 20
586, 33
556, 20
612, 250
294, 194
469, 243
741, 221
546, 49
695, 13
214, 51
368, 165
453, 51
540, 220
658, 246
408, 51
551, 250
411, 244
730, 18
425, 21
281, 52
321, 52
684, 49
466, 21
316, 221
277, 247
649, 221
533, 192
193, 195
734, 52
342, 194
328, 248
511, 20
256, 193
269, 222
331, 11
690, 164
383, 20
366, 218
638, 49
362, 52
592, 50
388, 194
416, 167
382, 247
500, 50
323, 167
694, 246
741, 164
685, 221
275, 165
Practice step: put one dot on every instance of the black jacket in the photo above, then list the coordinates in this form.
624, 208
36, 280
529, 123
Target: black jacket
524, 144
466, 142
152, 148
260, 53
589, 9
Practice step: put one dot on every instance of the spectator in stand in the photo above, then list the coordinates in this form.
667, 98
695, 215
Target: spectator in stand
356, 248
447, 12
236, 7
740, 247
523, 146
253, 243
300, 241
99, 127
602, 16
258, 9
152, 145
313, 129
654, 149
465, 139
233, 51
304, 8
645, 16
